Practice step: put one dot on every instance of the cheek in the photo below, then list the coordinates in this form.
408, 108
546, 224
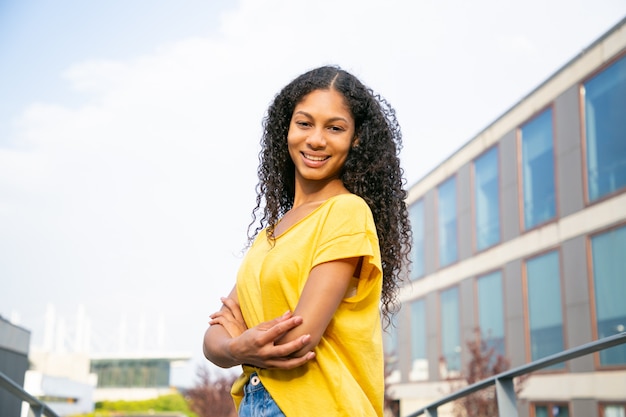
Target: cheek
291, 148
347, 146
291, 137
290, 143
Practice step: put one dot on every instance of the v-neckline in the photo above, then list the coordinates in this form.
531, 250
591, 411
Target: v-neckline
306, 216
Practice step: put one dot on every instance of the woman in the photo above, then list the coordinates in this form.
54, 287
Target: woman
333, 240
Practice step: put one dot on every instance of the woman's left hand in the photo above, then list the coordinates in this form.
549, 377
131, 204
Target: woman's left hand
230, 317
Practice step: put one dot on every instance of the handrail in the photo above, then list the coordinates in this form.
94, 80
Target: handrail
504, 381
39, 408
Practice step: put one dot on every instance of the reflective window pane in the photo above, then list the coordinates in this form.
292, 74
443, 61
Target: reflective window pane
538, 170
447, 220
614, 411
551, 410
609, 264
419, 362
416, 213
544, 306
491, 311
605, 130
560, 411
390, 343
486, 200
450, 331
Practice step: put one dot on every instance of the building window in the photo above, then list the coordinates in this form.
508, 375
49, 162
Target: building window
450, 333
491, 311
446, 193
609, 264
486, 199
390, 343
416, 213
419, 361
605, 130
551, 410
538, 170
613, 410
544, 306
135, 373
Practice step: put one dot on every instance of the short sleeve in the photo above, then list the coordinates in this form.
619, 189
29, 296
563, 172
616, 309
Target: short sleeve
348, 231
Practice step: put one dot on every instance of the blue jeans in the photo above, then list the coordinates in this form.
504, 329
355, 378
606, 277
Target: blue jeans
257, 402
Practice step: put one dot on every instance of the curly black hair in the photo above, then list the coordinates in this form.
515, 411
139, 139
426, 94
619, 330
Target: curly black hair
372, 169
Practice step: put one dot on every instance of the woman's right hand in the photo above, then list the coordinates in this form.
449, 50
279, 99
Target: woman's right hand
256, 346
228, 342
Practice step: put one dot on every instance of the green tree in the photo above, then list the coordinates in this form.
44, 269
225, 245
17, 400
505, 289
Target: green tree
171, 404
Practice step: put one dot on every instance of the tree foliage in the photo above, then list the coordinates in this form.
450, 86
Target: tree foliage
210, 397
172, 404
485, 362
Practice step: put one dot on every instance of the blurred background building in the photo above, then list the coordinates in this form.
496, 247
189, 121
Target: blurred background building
135, 377
14, 343
521, 235
64, 374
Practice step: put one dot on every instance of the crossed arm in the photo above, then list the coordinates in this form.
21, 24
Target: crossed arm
285, 342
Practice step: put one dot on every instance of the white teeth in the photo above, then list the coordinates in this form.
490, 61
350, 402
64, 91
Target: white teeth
314, 158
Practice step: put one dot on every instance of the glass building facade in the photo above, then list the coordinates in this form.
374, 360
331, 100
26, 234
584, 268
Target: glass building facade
416, 214
491, 311
447, 222
539, 196
544, 305
132, 373
521, 235
605, 107
486, 200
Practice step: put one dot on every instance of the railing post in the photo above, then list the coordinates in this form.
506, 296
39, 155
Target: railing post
505, 392
507, 399
37, 410
431, 412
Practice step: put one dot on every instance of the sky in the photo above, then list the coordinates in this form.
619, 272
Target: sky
129, 135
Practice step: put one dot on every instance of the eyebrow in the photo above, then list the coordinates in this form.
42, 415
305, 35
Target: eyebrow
332, 119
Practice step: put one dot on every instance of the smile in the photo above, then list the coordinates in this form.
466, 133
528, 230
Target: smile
315, 158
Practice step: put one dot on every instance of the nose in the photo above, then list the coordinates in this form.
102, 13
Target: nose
316, 139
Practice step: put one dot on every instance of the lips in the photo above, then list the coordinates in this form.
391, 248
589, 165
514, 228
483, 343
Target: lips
314, 158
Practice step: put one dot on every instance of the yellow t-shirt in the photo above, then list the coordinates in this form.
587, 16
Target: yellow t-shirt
346, 376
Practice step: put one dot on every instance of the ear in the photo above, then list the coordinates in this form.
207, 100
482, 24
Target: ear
355, 143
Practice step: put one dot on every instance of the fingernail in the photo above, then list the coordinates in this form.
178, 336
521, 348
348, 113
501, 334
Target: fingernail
286, 313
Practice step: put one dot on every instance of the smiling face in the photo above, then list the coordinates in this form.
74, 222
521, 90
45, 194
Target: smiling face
320, 135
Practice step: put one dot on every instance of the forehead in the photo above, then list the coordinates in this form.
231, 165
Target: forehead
324, 100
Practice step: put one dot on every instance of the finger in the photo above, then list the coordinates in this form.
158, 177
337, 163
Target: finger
271, 323
216, 314
291, 363
223, 313
216, 320
224, 320
277, 329
287, 350
220, 316
233, 307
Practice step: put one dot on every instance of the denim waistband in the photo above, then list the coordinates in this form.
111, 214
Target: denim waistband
254, 384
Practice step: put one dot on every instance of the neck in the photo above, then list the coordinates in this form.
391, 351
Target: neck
314, 191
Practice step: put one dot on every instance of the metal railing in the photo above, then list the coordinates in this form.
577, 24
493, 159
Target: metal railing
505, 392
37, 407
